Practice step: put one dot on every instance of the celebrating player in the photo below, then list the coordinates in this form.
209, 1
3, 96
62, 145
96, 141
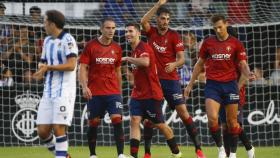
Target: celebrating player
146, 98
100, 78
220, 54
222, 115
169, 53
58, 61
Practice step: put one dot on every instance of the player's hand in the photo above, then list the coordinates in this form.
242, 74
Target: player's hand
170, 67
87, 93
252, 76
40, 73
161, 2
125, 59
187, 91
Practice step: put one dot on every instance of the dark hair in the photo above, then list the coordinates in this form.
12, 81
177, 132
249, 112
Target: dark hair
56, 17
34, 9
217, 17
106, 19
163, 9
134, 24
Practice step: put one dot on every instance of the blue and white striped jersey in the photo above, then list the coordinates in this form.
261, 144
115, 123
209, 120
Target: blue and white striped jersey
55, 52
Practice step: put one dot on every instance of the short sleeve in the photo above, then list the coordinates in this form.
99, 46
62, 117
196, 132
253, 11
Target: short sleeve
150, 32
119, 60
44, 55
203, 50
179, 46
241, 52
71, 48
85, 55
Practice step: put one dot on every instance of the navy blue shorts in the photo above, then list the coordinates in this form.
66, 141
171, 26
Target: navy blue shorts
223, 92
98, 105
223, 116
172, 92
150, 109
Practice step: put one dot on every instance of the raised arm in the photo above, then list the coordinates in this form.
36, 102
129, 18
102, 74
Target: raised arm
145, 21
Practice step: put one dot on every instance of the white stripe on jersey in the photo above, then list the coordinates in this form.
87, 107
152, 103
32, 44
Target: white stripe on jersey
55, 52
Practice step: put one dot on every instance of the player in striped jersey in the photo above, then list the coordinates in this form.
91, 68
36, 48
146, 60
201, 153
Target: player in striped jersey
58, 64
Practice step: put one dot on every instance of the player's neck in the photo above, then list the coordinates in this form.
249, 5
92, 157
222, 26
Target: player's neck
56, 33
223, 38
135, 44
105, 41
162, 32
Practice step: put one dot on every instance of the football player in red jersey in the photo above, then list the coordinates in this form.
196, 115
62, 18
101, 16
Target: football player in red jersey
147, 97
169, 53
220, 54
100, 78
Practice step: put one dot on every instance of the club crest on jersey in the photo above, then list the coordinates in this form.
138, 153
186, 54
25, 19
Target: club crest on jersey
228, 48
24, 120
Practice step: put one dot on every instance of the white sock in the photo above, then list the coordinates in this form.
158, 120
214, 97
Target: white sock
50, 142
61, 147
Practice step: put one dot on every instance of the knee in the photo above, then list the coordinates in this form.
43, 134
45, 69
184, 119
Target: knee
213, 121
182, 111
43, 133
232, 122
94, 122
134, 120
116, 120
148, 124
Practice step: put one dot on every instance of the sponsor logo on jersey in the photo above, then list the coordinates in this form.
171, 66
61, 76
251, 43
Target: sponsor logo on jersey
221, 56
105, 60
159, 48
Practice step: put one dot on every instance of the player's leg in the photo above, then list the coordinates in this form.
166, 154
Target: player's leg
153, 111
63, 114
136, 113
115, 110
173, 95
148, 135
223, 123
233, 127
231, 100
96, 109
44, 121
213, 101
243, 136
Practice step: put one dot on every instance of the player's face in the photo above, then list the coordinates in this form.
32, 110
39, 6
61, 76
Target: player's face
131, 34
108, 29
188, 42
220, 27
163, 21
48, 25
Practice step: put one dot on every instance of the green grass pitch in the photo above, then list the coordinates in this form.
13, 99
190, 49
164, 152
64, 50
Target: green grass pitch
110, 152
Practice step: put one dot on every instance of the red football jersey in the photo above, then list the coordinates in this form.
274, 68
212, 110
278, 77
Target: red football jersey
146, 81
221, 57
102, 61
165, 48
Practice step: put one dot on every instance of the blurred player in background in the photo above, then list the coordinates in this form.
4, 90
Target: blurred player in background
242, 99
169, 53
147, 97
220, 54
101, 81
58, 63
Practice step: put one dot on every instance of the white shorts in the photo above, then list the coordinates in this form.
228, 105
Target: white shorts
58, 110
